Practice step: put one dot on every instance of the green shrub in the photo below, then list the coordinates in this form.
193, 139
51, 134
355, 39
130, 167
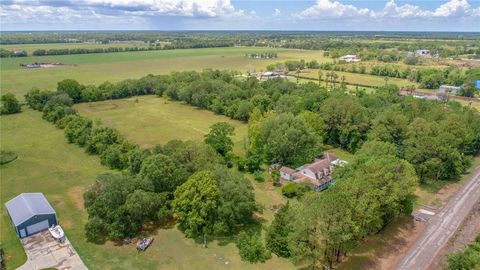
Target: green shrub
289, 190
251, 249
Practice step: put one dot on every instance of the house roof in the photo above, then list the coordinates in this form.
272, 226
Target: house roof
27, 205
287, 170
320, 164
304, 179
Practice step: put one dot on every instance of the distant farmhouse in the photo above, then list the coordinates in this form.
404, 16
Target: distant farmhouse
318, 174
271, 75
449, 89
438, 96
422, 52
349, 58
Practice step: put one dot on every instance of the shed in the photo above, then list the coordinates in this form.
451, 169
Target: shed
31, 213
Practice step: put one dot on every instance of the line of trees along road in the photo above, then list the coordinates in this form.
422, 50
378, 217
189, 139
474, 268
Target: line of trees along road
398, 142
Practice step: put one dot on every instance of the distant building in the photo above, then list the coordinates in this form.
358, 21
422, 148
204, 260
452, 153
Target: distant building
449, 89
20, 53
318, 174
268, 75
349, 58
422, 52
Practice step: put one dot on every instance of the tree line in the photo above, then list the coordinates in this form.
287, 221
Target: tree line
149, 47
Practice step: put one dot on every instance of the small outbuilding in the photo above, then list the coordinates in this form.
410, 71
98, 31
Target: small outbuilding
31, 213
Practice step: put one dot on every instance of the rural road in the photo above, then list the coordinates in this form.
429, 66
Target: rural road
442, 226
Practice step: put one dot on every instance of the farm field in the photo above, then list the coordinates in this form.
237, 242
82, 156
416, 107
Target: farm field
98, 68
46, 163
29, 48
151, 120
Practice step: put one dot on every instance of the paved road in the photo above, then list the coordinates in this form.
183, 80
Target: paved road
442, 226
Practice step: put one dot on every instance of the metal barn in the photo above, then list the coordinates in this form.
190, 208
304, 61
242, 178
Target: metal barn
31, 213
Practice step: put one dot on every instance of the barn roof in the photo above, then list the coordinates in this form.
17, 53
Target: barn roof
27, 205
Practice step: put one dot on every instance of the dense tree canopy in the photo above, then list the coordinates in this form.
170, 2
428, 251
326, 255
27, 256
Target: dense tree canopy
118, 206
284, 138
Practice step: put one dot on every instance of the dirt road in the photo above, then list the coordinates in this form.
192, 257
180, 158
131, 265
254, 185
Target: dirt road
442, 226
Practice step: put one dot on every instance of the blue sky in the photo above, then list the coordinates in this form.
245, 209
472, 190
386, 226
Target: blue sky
425, 15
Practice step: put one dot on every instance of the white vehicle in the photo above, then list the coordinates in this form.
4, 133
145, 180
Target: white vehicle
57, 233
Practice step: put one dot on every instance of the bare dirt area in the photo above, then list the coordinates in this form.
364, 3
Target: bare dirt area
464, 236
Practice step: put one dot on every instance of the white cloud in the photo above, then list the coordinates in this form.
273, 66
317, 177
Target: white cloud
277, 12
186, 8
328, 9
453, 8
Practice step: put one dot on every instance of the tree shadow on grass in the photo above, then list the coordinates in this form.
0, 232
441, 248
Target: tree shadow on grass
388, 243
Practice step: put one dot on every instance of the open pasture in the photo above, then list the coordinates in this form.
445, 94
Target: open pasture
30, 48
46, 163
97, 68
151, 120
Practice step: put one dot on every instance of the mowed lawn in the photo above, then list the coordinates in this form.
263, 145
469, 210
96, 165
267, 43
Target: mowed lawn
151, 120
46, 163
113, 67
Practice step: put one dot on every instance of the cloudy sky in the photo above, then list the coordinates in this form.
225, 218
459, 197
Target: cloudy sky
423, 15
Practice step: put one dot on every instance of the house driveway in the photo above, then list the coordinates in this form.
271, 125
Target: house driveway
44, 252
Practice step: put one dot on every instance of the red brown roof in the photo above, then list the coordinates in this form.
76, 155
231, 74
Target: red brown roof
287, 170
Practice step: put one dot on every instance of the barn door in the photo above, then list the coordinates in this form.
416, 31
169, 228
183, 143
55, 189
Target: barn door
37, 227
22, 233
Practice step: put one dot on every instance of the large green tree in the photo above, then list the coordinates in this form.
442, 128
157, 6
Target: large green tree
195, 204
219, 137
70, 87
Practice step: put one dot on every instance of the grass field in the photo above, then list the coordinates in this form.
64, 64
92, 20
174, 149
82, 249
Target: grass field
151, 120
46, 163
29, 48
356, 78
97, 68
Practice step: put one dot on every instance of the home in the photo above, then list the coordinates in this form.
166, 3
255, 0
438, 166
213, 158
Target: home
349, 58
449, 89
318, 173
